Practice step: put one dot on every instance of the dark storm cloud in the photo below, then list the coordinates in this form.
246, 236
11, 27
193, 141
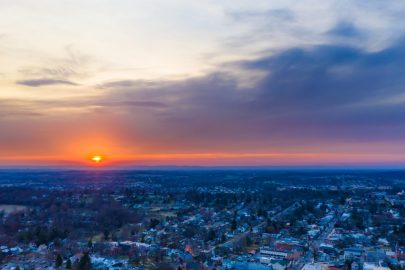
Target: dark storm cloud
321, 93
329, 76
44, 82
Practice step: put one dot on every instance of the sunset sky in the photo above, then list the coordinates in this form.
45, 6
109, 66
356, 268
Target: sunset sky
211, 83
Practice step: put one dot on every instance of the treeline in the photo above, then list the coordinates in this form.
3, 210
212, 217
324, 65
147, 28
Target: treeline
41, 235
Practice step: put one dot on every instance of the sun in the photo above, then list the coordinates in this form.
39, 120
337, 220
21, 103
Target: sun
97, 158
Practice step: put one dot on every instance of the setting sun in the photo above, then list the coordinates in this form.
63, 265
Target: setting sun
97, 158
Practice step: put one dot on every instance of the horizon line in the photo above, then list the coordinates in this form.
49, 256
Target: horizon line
206, 167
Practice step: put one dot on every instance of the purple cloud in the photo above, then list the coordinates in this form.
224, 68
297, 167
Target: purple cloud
44, 82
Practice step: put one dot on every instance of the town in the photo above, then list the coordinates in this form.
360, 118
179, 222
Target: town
202, 219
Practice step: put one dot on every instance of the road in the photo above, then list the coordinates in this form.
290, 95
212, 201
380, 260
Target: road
308, 256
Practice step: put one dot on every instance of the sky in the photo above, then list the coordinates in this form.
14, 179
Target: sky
209, 83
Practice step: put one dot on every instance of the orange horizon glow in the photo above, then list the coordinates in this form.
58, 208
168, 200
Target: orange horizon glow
207, 159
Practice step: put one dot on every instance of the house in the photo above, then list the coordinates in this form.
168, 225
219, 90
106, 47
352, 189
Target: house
279, 264
313, 266
353, 252
281, 253
373, 266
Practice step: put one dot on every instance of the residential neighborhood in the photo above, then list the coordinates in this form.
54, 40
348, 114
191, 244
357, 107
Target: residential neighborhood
172, 220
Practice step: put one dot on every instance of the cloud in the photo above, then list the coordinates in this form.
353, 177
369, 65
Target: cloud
370, 25
283, 14
73, 65
279, 77
44, 82
133, 103
11, 108
312, 97
344, 29
129, 84
307, 98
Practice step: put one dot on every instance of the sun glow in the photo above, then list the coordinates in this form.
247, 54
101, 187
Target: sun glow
97, 158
